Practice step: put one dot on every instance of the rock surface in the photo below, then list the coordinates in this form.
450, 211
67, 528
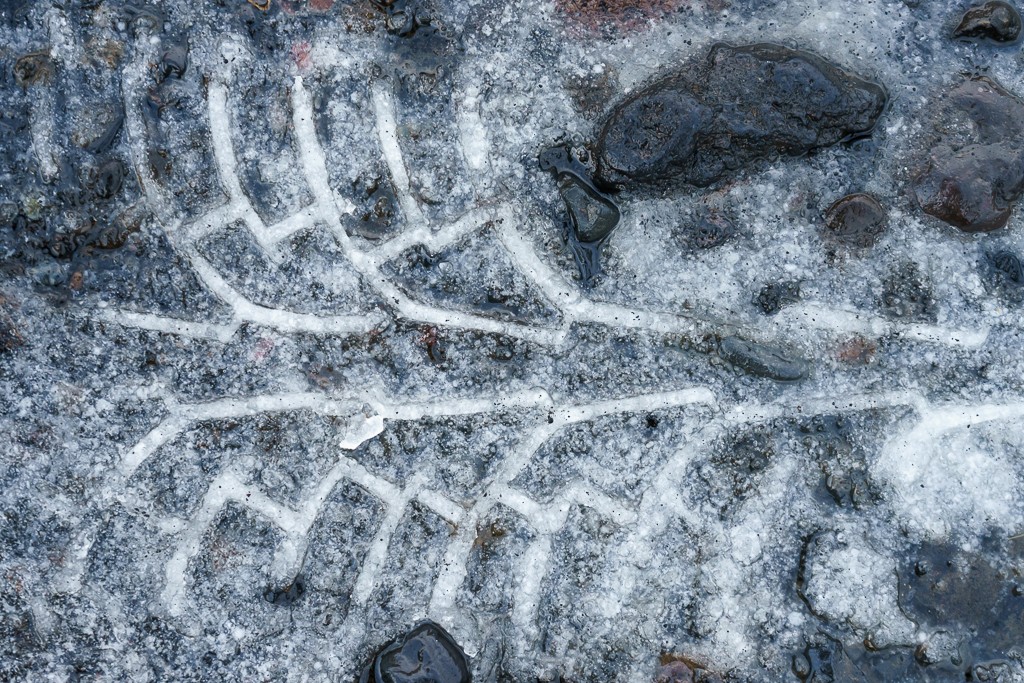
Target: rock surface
975, 173
736, 106
856, 220
293, 355
994, 22
762, 360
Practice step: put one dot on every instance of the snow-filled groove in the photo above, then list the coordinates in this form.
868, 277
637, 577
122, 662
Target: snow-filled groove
297, 352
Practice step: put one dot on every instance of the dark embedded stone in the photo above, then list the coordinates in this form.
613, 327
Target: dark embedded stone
994, 22
173, 62
907, 294
108, 179
738, 105
708, 231
856, 220
762, 360
1004, 273
1008, 267
592, 214
975, 172
775, 296
426, 654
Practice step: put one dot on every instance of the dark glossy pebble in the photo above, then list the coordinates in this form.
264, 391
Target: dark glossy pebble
426, 654
994, 22
738, 105
973, 174
856, 220
762, 360
593, 215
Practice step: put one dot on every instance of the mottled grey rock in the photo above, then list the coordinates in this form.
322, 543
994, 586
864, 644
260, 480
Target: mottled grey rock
763, 361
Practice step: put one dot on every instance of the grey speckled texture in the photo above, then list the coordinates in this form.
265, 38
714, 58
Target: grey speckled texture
293, 357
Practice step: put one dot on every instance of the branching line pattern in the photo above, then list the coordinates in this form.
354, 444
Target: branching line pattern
369, 412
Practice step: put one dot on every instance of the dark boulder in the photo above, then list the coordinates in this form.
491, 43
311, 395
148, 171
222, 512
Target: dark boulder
738, 105
974, 171
993, 22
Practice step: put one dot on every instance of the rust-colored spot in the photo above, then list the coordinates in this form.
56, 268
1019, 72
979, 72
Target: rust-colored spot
33, 68
261, 5
856, 351
436, 350
300, 55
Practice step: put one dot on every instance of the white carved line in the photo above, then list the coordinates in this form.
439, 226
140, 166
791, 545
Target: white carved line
387, 130
368, 265
167, 325
839, 321
239, 205
184, 415
435, 238
548, 519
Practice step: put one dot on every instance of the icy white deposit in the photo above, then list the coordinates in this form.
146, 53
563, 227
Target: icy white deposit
293, 356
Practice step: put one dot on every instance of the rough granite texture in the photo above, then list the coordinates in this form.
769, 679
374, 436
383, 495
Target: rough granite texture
296, 355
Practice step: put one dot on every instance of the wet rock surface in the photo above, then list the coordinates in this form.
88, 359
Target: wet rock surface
591, 214
995, 22
763, 361
856, 220
975, 173
736, 106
